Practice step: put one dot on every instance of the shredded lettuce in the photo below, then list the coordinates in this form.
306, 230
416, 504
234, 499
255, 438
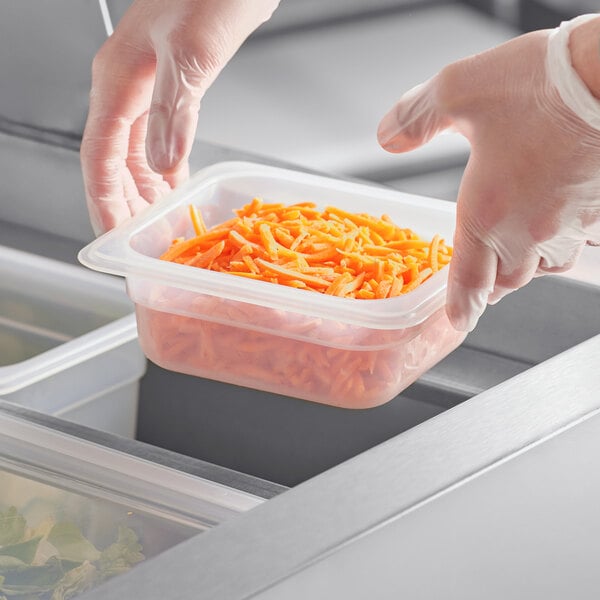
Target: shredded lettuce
57, 562
70, 543
12, 527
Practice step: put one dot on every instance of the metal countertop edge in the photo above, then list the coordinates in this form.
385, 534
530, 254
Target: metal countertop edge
254, 550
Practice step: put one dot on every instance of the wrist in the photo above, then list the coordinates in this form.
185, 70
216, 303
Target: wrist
584, 47
562, 74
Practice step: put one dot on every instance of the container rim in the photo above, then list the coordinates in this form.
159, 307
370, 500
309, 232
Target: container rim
113, 253
121, 330
69, 354
79, 465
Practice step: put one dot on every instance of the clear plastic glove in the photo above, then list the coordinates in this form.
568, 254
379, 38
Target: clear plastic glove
147, 83
529, 199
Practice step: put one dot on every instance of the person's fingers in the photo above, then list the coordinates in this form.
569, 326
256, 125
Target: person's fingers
103, 156
179, 88
414, 120
121, 86
509, 279
150, 185
558, 254
192, 47
474, 264
470, 280
179, 175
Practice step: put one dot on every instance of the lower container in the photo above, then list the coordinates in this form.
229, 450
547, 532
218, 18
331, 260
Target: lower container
68, 343
74, 514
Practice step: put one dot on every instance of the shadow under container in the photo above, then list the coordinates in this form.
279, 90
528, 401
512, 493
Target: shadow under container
338, 351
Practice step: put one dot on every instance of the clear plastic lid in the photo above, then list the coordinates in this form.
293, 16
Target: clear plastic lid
74, 514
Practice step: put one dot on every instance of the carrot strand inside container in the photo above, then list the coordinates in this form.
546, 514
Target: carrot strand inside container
357, 255
330, 251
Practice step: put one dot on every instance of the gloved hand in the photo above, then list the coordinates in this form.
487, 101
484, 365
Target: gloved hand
529, 199
147, 83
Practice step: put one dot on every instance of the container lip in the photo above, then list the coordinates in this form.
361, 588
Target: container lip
113, 253
97, 463
15, 260
25, 373
121, 330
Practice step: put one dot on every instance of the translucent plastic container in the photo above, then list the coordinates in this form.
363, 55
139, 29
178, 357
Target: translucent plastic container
74, 514
68, 342
344, 352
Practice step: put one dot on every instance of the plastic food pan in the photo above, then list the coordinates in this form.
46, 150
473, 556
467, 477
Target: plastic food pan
68, 342
339, 351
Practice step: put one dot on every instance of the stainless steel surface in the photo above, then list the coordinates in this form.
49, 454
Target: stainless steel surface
355, 71
302, 14
309, 522
480, 489
526, 528
41, 188
46, 51
315, 520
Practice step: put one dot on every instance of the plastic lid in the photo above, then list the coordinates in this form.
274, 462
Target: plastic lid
73, 513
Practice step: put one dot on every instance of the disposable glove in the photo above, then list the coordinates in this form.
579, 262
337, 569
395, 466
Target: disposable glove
529, 199
147, 83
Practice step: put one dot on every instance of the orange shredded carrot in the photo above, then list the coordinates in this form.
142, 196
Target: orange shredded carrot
433, 253
204, 259
328, 365
197, 220
327, 252
331, 251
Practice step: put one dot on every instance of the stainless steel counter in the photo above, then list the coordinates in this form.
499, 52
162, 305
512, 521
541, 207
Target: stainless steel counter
514, 460
426, 513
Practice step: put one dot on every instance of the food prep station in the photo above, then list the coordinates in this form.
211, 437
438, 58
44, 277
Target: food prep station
481, 478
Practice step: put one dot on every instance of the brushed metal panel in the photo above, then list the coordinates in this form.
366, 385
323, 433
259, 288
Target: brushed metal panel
46, 52
528, 528
268, 544
315, 96
548, 316
41, 186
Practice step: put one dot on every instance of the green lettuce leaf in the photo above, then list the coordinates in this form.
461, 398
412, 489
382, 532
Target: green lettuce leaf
75, 582
24, 551
67, 567
12, 527
122, 555
70, 543
24, 579
9, 563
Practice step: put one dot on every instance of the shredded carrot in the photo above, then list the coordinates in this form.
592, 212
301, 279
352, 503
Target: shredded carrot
306, 358
328, 251
331, 251
197, 220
